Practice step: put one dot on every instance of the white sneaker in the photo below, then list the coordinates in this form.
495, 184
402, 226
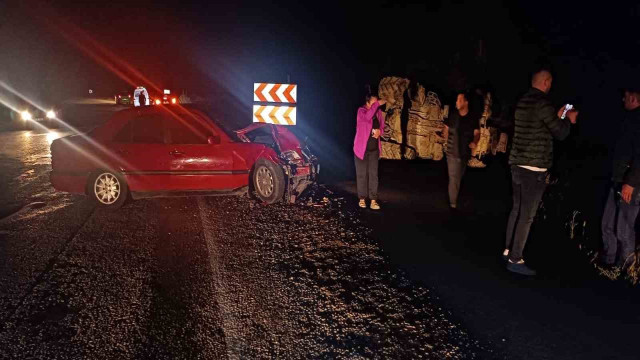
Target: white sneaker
374, 205
362, 204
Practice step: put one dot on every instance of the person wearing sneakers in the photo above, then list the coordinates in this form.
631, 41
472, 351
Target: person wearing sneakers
367, 148
537, 124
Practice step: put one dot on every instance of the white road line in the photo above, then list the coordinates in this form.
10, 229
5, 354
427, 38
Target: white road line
232, 341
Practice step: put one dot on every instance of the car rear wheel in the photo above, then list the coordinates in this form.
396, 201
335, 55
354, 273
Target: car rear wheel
107, 189
268, 181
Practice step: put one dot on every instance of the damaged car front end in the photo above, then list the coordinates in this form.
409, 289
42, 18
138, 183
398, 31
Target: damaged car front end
299, 165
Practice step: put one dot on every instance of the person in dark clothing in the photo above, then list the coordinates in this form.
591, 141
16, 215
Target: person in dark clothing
367, 148
618, 236
458, 132
537, 124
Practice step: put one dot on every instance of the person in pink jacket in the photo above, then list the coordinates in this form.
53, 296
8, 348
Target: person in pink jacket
367, 149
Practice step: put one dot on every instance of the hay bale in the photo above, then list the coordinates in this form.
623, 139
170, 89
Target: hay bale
392, 89
425, 121
393, 151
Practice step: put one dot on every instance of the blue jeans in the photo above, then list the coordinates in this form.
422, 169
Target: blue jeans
618, 235
528, 188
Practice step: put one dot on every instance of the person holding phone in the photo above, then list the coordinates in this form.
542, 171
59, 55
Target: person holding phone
367, 149
537, 124
619, 237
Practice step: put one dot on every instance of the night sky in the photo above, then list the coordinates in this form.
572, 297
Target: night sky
219, 49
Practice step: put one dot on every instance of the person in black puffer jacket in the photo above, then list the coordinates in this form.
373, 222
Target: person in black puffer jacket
623, 199
537, 124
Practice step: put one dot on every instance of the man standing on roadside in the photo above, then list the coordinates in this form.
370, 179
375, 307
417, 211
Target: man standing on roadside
537, 124
620, 238
458, 132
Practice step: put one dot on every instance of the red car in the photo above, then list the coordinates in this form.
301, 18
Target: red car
178, 150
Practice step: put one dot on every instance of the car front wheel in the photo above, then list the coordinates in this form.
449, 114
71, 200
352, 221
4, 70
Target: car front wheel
107, 189
268, 181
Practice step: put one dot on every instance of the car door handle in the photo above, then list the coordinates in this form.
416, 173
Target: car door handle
176, 153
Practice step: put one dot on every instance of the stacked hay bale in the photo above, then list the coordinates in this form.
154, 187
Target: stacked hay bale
482, 137
426, 119
392, 89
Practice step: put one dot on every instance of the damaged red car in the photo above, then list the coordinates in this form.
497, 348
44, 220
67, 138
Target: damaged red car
178, 151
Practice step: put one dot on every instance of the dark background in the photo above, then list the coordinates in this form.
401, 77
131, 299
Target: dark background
55, 50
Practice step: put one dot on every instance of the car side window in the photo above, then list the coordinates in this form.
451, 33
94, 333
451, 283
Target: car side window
125, 134
186, 130
148, 129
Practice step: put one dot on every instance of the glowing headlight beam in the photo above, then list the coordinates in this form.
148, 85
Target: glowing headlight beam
51, 114
98, 146
26, 116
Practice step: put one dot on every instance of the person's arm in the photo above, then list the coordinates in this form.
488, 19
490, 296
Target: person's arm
367, 114
631, 179
559, 128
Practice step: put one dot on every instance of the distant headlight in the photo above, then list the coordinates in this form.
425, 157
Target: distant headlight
157, 101
173, 101
51, 114
26, 115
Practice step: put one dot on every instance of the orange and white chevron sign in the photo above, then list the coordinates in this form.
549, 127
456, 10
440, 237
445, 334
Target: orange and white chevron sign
278, 115
280, 93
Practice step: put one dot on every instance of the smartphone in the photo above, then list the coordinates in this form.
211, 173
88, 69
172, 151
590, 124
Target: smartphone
566, 109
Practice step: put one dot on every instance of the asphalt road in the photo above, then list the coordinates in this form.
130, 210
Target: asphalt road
208, 278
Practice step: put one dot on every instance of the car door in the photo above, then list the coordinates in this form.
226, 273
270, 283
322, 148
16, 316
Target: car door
197, 164
142, 153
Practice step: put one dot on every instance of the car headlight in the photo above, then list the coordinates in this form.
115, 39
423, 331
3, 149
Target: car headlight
26, 115
291, 155
157, 101
173, 101
51, 114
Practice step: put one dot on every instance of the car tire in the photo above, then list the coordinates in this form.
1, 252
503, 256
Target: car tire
107, 189
268, 183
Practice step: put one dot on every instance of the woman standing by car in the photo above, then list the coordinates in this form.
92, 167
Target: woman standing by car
366, 149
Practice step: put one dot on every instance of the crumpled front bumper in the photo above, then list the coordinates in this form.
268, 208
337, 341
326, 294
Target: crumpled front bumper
299, 178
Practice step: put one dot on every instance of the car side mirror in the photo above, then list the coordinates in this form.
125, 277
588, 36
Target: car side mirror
213, 140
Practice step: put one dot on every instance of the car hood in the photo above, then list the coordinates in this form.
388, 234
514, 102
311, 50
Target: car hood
284, 138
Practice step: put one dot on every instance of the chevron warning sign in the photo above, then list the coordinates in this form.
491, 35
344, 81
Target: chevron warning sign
279, 115
281, 93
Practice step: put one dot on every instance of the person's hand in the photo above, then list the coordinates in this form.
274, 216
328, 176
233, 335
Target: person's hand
381, 102
573, 115
627, 191
376, 133
561, 111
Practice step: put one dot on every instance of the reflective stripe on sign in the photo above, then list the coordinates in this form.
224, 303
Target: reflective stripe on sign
282, 93
278, 115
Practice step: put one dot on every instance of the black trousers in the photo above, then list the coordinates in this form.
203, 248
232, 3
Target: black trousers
367, 175
528, 188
